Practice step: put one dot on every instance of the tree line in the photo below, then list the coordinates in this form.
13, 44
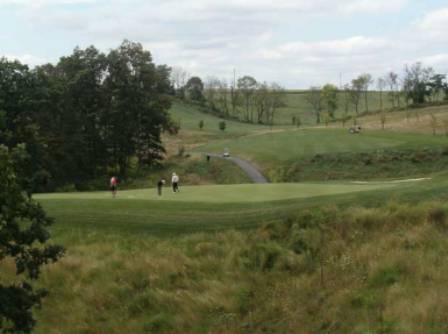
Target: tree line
418, 85
89, 115
251, 101
246, 99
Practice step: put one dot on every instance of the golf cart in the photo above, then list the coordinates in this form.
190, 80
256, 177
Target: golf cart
226, 153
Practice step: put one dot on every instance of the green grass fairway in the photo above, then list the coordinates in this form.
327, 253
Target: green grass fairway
289, 146
213, 208
227, 193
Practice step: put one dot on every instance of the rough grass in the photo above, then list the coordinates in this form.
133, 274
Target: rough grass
412, 120
382, 271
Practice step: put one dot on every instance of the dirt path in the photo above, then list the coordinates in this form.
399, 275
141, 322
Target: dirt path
251, 171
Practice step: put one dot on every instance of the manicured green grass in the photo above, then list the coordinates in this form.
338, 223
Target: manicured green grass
270, 149
240, 193
168, 217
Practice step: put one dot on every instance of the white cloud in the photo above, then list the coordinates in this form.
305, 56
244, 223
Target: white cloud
271, 40
357, 45
27, 59
435, 24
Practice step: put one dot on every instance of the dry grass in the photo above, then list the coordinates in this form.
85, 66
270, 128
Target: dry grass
384, 271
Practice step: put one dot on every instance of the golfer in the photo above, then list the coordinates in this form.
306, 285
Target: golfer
160, 186
175, 183
113, 185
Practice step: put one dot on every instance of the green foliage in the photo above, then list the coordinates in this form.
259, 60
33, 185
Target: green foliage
222, 125
194, 88
87, 115
330, 99
23, 234
201, 124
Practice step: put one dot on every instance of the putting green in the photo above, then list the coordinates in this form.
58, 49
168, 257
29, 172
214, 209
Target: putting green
230, 193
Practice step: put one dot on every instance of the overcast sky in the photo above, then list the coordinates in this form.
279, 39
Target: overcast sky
297, 43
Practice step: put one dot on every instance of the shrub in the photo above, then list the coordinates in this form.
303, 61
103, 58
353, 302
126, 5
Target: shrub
222, 125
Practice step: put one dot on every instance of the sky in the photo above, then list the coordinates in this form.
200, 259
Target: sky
296, 43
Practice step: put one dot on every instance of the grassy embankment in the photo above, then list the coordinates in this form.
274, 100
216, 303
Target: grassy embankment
140, 264
382, 266
321, 154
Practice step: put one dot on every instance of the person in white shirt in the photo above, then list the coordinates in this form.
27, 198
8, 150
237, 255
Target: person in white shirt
175, 183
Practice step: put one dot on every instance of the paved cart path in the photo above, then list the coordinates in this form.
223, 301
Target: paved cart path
252, 171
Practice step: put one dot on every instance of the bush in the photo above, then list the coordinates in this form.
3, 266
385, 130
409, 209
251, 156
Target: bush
222, 125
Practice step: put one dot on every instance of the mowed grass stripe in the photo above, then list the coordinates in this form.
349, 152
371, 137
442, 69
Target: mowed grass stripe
240, 193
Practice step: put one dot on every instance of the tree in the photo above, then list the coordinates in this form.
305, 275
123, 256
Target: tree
392, 81
247, 85
366, 80
201, 124
24, 244
416, 82
436, 85
330, 99
276, 99
222, 125
381, 84
194, 88
355, 92
211, 91
314, 97
136, 111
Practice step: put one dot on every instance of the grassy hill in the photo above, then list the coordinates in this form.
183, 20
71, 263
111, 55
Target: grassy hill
308, 265
313, 257
418, 120
314, 149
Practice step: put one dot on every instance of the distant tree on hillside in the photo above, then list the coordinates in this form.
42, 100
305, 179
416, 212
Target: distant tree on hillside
211, 91
436, 85
381, 84
366, 80
201, 124
330, 99
356, 90
246, 86
392, 81
416, 82
276, 100
314, 97
222, 125
194, 89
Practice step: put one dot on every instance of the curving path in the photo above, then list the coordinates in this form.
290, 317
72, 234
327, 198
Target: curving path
251, 171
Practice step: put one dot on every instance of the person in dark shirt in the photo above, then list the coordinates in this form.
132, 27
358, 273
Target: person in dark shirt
160, 186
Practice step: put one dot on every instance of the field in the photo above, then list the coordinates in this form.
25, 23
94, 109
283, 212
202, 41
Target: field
133, 263
296, 105
347, 249
284, 149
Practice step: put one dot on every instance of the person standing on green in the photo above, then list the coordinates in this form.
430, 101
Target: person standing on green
175, 183
160, 186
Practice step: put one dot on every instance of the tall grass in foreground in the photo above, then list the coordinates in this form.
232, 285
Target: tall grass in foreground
357, 270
